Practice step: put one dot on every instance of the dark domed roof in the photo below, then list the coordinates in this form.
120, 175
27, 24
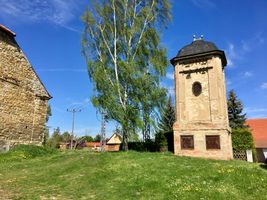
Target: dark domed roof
196, 47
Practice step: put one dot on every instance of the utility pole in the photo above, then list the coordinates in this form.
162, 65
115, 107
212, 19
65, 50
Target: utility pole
73, 111
103, 131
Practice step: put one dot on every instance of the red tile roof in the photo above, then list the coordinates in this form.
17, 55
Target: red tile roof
92, 144
6, 30
259, 131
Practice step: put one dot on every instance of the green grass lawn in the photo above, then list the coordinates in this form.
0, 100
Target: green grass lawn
129, 175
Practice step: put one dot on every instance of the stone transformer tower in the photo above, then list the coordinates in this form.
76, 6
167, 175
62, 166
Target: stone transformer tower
23, 97
202, 127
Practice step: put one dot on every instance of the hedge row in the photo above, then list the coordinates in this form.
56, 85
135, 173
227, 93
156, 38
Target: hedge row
242, 139
22, 152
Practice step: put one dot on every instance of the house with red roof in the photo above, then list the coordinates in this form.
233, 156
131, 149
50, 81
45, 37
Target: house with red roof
93, 145
111, 144
114, 142
259, 133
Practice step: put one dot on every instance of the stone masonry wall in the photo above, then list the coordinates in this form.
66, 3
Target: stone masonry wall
23, 98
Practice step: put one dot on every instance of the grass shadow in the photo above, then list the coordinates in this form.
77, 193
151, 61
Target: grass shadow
263, 166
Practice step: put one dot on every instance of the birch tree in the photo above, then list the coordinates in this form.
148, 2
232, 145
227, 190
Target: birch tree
121, 45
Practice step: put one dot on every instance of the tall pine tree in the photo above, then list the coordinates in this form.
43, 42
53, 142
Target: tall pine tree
235, 108
167, 117
164, 135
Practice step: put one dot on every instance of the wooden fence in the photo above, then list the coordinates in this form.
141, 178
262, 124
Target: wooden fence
240, 155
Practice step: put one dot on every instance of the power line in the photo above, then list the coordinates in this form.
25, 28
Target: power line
73, 111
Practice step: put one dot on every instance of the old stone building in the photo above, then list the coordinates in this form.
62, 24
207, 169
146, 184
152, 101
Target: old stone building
202, 127
23, 97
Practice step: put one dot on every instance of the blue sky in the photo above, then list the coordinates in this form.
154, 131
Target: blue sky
49, 32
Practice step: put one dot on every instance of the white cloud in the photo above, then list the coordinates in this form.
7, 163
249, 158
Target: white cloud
231, 54
239, 51
255, 110
252, 43
228, 82
59, 12
258, 39
80, 104
264, 85
257, 116
245, 46
170, 76
248, 74
229, 62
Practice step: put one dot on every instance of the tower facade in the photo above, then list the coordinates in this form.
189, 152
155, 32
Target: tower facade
202, 127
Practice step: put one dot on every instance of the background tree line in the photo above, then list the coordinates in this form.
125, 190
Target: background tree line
241, 134
57, 137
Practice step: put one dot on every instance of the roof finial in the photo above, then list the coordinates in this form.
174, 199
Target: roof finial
194, 38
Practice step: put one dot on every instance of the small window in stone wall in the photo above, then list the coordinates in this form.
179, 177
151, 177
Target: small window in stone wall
196, 88
213, 142
187, 142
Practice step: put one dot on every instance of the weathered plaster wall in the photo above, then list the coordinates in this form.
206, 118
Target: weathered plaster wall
23, 98
205, 114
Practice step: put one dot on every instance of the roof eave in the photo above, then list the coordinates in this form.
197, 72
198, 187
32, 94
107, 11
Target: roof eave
7, 31
188, 57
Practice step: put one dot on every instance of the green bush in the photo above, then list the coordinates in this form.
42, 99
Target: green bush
165, 139
242, 139
161, 139
22, 152
143, 146
169, 137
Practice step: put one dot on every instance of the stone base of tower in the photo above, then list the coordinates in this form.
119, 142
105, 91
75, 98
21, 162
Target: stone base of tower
224, 152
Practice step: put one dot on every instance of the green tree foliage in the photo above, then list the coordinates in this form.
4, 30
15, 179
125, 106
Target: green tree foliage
235, 108
164, 135
133, 135
241, 135
88, 138
150, 97
45, 136
167, 117
97, 138
121, 44
46, 130
161, 140
242, 139
48, 113
55, 139
65, 137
